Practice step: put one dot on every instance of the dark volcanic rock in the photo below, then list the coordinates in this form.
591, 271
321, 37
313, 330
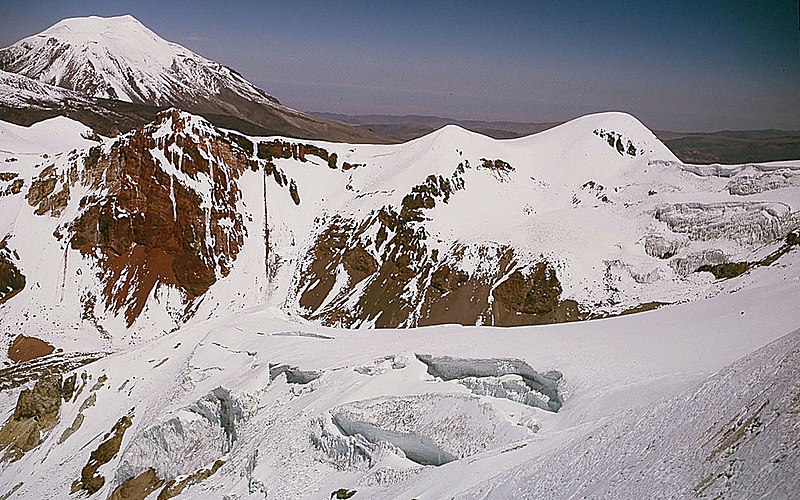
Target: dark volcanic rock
12, 281
90, 481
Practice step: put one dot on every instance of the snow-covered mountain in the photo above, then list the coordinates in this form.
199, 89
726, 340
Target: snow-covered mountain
591, 219
173, 285
188, 310
118, 58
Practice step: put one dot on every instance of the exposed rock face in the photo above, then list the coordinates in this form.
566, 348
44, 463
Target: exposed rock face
12, 281
726, 270
532, 298
390, 262
398, 281
499, 293
137, 487
27, 348
616, 141
141, 486
380, 271
174, 488
499, 168
34, 417
161, 209
90, 481
10, 184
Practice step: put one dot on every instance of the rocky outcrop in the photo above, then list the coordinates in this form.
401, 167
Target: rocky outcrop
43, 193
726, 270
384, 254
499, 168
90, 481
138, 487
618, 142
161, 209
12, 281
380, 271
175, 487
34, 417
10, 183
24, 348
532, 296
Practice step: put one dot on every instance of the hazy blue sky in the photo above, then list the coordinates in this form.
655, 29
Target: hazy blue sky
683, 65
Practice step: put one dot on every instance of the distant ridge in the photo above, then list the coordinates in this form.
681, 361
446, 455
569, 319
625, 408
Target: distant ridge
725, 146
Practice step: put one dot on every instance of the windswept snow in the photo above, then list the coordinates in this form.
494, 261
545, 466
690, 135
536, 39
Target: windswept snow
633, 388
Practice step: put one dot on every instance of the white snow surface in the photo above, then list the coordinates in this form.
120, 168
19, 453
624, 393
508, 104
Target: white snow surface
642, 400
18, 91
550, 207
54, 135
647, 397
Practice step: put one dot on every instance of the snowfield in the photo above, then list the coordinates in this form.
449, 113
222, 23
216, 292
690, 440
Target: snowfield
678, 402
242, 392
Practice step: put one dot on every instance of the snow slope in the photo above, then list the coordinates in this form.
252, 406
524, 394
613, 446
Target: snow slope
18, 91
647, 398
55, 135
179, 254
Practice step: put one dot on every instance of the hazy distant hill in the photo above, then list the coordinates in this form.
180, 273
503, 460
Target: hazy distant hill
691, 147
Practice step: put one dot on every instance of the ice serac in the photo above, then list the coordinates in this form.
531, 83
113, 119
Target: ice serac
428, 429
118, 58
738, 440
485, 377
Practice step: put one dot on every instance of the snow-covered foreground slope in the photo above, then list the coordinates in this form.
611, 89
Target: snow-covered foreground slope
678, 402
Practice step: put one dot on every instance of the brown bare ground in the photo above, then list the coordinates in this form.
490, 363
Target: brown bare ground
27, 348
